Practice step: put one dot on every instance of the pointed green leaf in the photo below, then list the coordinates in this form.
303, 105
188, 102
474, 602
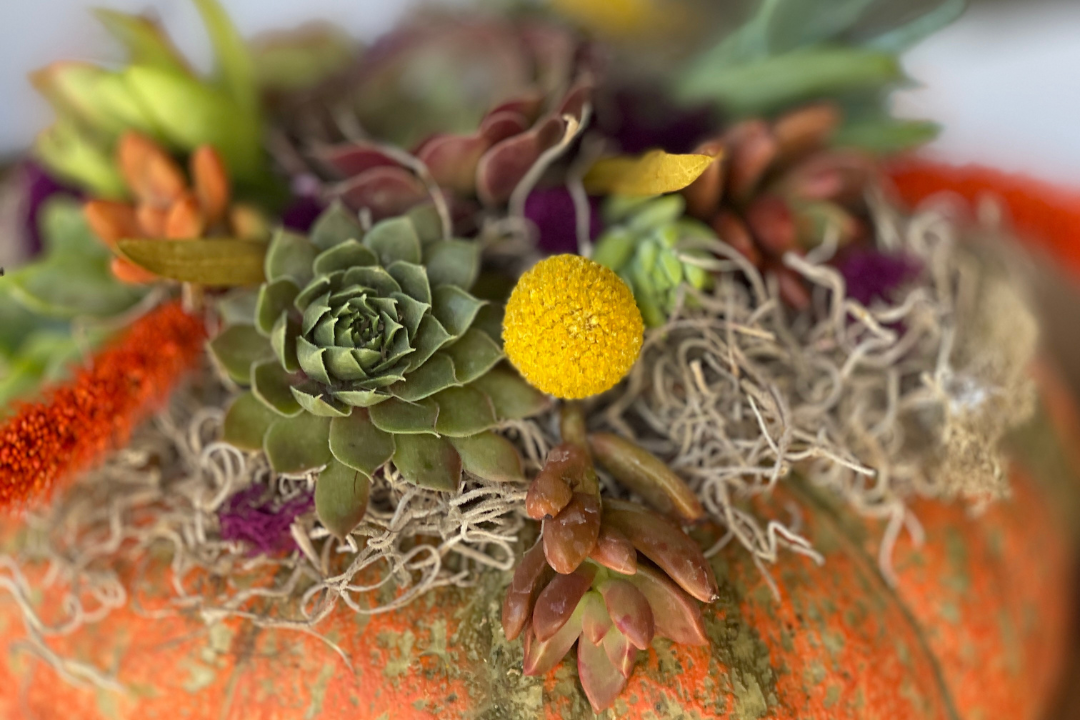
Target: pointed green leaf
290, 256
230, 55
275, 298
357, 443
273, 385
473, 354
436, 374
453, 262
343, 256
237, 306
489, 320
77, 158
454, 308
428, 461
361, 398
463, 411
341, 498
246, 422
393, 240
512, 397
429, 338
299, 444
413, 280
236, 348
283, 340
316, 400
216, 262
490, 456
334, 226
399, 417
373, 277
427, 223
145, 41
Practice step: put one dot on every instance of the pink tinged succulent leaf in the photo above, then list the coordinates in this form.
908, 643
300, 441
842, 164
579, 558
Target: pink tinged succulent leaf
385, 191
614, 551
595, 621
571, 535
502, 124
575, 100
349, 159
530, 577
772, 222
664, 542
601, 679
541, 656
629, 611
620, 651
753, 150
647, 475
552, 489
527, 106
507, 162
452, 159
676, 615
559, 601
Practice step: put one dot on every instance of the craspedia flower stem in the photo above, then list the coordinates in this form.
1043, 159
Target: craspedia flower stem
77, 423
572, 328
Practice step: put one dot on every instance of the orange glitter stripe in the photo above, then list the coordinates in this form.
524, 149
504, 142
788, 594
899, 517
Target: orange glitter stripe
78, 423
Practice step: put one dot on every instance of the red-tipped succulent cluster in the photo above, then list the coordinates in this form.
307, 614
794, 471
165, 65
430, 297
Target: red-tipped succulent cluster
607, 574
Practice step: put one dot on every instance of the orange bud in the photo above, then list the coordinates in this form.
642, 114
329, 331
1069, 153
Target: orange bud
185, 219
153, 176
111, 221
128, 272
806, 129
152, 221
211, 181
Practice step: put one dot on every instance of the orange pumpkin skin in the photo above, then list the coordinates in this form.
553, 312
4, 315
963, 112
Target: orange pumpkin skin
974, 630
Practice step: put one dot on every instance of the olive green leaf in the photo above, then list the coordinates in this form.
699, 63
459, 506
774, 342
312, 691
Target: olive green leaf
341, 498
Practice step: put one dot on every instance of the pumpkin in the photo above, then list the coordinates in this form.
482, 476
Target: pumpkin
975, 627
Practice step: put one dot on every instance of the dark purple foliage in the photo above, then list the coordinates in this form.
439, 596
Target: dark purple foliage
642, 120
37, 186
256, 517
304, 206
552, 211
873, 275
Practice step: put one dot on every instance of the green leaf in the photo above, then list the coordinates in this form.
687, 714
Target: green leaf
236, 348
273, 385
413, 280
357, 443
283, 341
452, 262
396, 416
231, 55
275, 299
290, 256
885, 135
473, 354
393, 240
334, 226
512, 397
361, 398
430, 336
145, 41
77, 158
427, 222
463, 411
247, 421
215, 262
490, 456
342, 257
299, 444
314, 398
237, 306
341, 498
489, 320
438, 373
428, 461
763, 86
454, 308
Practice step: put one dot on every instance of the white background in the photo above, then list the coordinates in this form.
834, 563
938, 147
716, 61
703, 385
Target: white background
1005, 80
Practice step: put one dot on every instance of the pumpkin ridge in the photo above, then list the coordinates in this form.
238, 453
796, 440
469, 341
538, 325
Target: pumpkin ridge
870, 567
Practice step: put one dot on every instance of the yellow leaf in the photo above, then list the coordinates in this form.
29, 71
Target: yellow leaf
216, 262
654, 173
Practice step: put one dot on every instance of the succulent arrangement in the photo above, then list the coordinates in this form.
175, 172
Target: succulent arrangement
397, 328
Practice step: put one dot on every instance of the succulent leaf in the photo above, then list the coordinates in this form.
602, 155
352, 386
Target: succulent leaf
428, 461
646, 475
394, 240
247, 421
512, 397
629, 610
274, 299
601, 679
595, 621
357, 443
236, 348
298, 444
452, 262
675, 614
614, 551
273, 385
290, 256
571, 535
531, 575
334, 226
489, 456
463, 411
341, 498
560, 600
620, 651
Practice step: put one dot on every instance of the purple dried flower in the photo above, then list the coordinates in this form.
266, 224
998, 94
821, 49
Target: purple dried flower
645, 119
254, 515
871, 274
37, 186
552, 211
304, 206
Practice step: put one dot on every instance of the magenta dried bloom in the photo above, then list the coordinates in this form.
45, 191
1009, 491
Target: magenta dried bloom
874, 275
256, 517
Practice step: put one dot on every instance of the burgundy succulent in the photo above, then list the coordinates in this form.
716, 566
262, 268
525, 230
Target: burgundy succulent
777, 185
608, 575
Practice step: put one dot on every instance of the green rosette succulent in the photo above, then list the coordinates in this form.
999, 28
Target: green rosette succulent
366, 348
643, 244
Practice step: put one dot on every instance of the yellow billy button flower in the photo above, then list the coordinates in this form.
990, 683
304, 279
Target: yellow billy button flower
572, 327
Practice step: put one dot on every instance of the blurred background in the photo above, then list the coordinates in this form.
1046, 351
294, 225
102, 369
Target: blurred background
1004, 80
